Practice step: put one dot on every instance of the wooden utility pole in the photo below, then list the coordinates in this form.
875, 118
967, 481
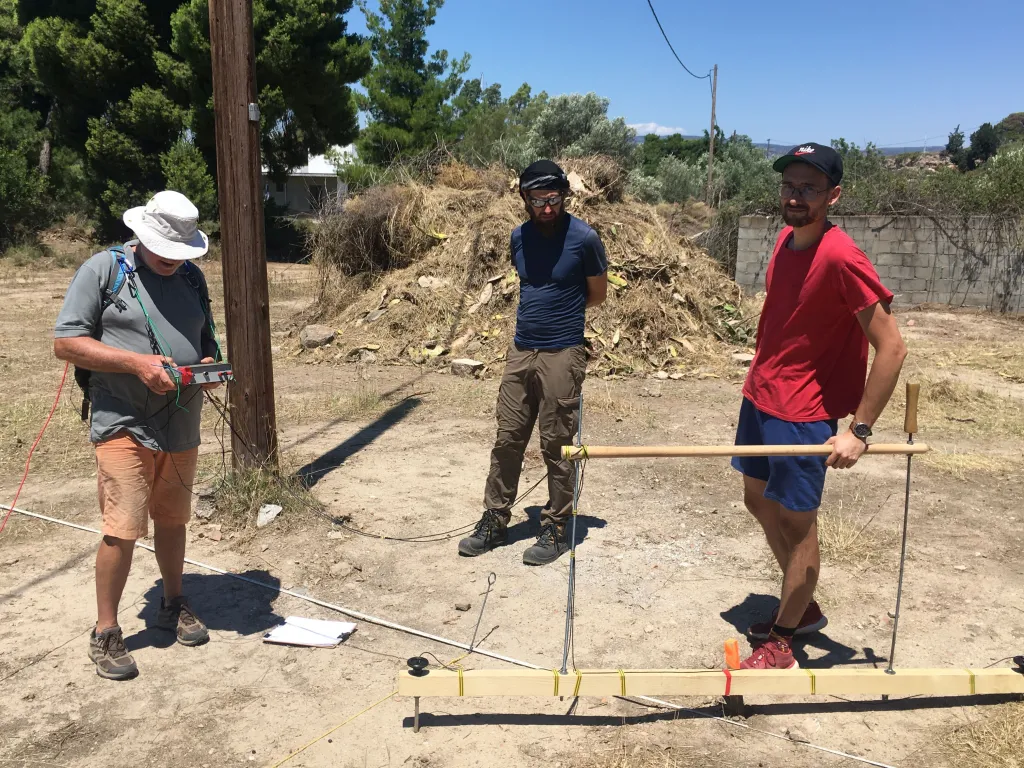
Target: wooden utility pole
246, 299
711, 147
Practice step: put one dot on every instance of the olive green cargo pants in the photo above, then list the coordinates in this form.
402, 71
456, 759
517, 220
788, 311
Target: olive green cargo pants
543, 387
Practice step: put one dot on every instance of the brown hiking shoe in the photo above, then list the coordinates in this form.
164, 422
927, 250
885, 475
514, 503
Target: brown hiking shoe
177, 616
111, 658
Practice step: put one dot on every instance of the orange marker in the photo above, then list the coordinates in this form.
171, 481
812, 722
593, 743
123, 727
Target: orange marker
732, 654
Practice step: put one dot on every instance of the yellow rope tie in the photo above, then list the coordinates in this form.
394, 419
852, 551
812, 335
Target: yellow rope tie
814, 682
462, 690
583, 452
973, 681
622, 681
579, 679
555, 671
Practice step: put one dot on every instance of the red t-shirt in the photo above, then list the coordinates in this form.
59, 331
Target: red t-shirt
812, 355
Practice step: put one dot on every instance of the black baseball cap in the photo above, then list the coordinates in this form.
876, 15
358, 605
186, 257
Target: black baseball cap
825, 159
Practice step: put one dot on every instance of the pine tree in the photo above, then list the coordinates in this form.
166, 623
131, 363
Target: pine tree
408, 96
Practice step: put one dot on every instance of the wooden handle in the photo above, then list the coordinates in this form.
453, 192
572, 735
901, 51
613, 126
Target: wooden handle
910, 420
580, 452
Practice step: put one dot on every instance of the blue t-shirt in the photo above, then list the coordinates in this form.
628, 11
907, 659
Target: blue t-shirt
553, 274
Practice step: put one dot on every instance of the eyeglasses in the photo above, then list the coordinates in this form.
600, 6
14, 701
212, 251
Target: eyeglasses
804, 193
540, 202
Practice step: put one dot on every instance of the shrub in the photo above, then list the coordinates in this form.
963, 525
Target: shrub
681, 180
647, 189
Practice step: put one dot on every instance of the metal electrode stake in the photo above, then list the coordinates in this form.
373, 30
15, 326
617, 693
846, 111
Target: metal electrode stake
570, 600
910, 427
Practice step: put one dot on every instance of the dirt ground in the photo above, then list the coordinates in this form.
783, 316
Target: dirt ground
670, 566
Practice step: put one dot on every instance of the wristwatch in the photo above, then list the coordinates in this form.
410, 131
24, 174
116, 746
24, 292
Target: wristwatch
861, 430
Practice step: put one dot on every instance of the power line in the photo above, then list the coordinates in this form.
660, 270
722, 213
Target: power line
698, 77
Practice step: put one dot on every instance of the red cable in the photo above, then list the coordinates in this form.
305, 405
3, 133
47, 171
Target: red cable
28, 461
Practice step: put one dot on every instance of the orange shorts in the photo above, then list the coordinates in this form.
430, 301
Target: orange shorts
136, 483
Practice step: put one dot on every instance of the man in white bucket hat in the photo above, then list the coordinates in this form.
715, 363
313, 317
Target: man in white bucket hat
131, 314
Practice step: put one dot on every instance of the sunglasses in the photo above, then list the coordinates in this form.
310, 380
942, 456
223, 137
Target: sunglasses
804, 193
540, 202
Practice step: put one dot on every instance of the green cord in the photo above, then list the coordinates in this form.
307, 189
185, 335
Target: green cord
165, 350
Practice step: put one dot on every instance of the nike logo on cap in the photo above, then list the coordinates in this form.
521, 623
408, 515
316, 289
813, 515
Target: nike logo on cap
804, 151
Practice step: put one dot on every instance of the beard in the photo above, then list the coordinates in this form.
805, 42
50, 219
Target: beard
798, 216
546, 226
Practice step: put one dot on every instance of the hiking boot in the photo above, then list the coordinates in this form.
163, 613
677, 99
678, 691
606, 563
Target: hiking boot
551, 545
813, 621
776, 653
107, 652
178, 617
490, 532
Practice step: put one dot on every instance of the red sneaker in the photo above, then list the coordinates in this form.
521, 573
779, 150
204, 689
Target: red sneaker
813, 621
774, 654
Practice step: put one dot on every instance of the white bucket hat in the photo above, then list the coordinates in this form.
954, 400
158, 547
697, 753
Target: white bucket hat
168, 226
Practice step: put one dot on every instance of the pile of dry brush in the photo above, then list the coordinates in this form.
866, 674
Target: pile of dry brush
420, 272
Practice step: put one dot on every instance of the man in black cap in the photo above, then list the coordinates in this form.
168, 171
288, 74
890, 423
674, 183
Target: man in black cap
824, 305
562, 270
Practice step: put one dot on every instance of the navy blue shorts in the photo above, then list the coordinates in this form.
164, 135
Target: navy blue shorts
795, 482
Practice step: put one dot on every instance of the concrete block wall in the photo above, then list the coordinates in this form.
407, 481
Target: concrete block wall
973, 263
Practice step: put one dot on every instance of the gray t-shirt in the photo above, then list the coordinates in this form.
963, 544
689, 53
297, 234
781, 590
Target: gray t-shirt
120, 401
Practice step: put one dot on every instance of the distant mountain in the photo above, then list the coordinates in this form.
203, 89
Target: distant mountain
777, 148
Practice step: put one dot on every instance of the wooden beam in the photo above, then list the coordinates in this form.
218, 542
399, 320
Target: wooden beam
845, 681
244, 256
580, 452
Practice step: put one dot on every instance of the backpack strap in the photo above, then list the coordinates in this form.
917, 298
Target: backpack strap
194, 278
120, 270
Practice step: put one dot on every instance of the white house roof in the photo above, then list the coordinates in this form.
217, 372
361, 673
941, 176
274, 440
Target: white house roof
319, 166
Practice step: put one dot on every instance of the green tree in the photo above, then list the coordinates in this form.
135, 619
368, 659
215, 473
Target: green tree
123, 81
409, 98
306, 61
984, 144
575, 125
1011, 129
955, 148
185, 171
22, 188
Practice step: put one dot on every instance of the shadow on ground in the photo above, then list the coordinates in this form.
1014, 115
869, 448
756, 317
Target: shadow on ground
224, 604
314, 472
530, 527
755, 608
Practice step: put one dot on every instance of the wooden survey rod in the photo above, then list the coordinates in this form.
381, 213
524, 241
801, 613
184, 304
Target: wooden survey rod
581, 452
841, 681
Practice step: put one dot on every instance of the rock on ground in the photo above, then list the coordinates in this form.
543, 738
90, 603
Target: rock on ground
313, 336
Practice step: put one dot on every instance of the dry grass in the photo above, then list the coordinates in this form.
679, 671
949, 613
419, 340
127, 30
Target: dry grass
844, 540
996, 741
653, 756
64, 450
1005, 357
671, 307
849, 532
364, 402
603, 398
952, 408
965, 465
239, 494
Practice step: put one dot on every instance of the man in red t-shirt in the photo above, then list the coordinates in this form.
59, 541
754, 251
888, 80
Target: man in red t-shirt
825, 304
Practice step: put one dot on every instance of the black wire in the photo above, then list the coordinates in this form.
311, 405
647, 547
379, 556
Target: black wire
698, 77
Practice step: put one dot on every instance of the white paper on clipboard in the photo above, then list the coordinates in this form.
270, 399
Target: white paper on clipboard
312, 633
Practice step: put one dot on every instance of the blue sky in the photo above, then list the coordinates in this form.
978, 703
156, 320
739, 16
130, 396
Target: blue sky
889, 72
